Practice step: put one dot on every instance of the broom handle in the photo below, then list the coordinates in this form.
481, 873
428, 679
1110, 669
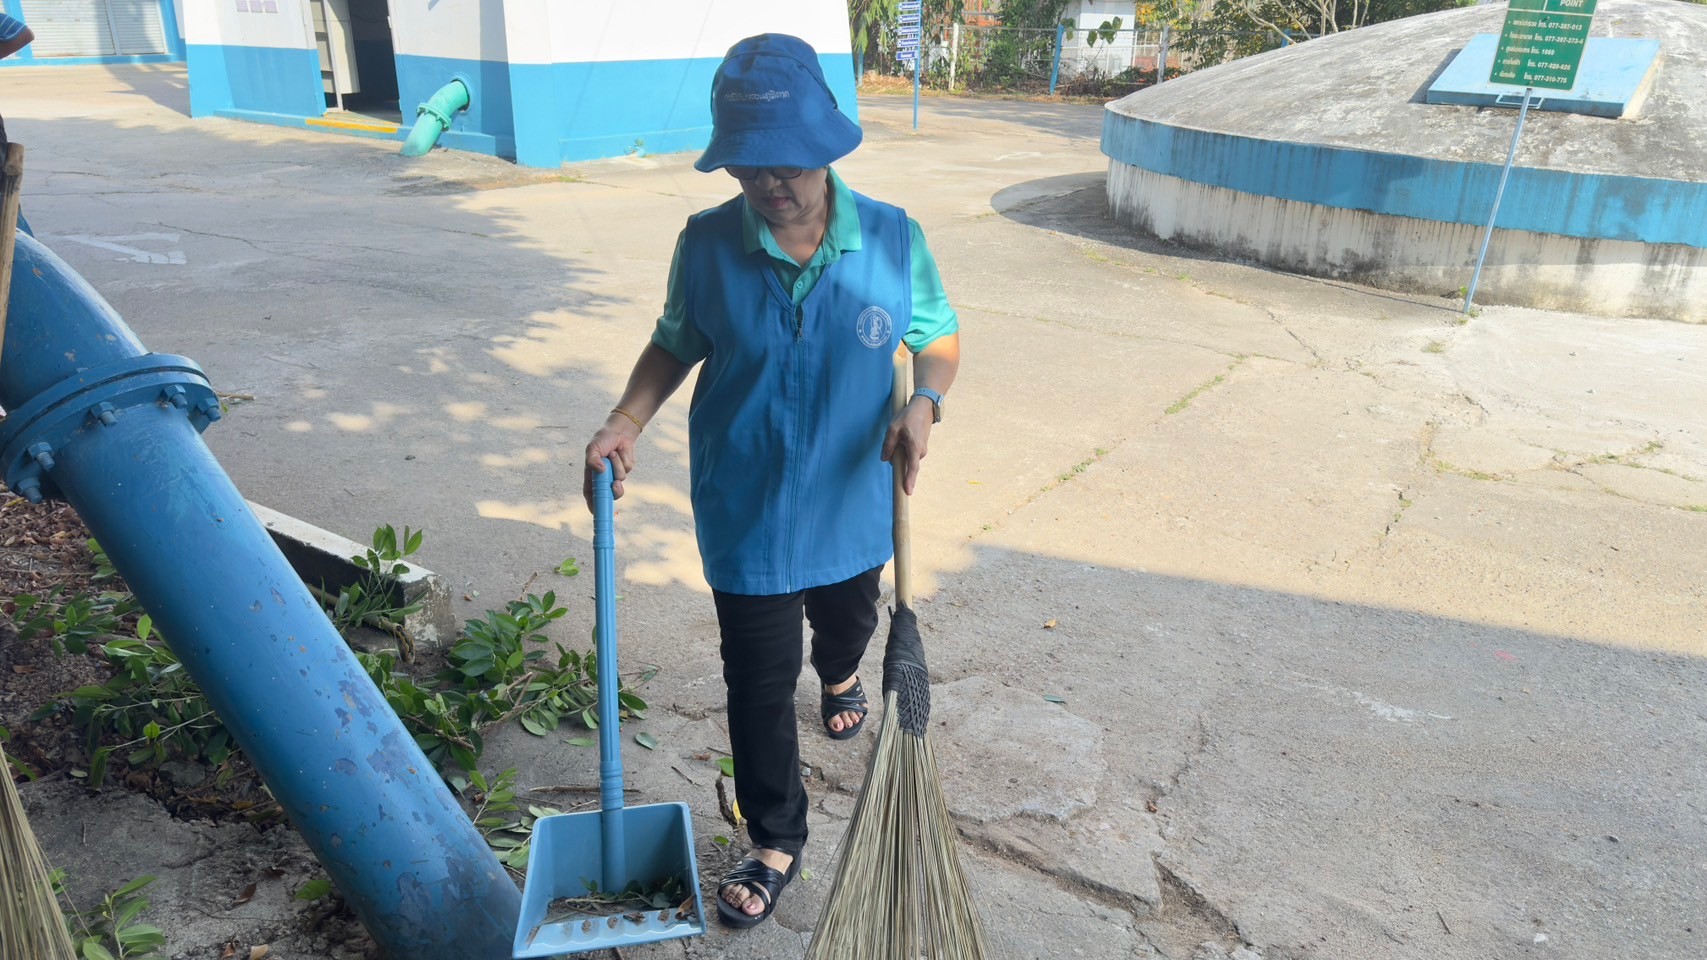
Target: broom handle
11, 179
903, 528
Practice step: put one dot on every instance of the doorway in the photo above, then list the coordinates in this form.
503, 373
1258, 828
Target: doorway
358, 62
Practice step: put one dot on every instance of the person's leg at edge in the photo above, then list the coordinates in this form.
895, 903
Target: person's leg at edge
761, 650
843, 617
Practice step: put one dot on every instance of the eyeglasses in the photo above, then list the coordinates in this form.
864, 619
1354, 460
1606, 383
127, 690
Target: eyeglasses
752, 173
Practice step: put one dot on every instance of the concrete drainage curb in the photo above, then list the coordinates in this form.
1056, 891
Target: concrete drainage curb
322, 560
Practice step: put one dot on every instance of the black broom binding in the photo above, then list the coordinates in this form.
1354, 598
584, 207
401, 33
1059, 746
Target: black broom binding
905, 673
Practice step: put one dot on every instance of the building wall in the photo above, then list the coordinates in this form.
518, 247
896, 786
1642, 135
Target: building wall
465, 40
601, 78
549, 80
254, 62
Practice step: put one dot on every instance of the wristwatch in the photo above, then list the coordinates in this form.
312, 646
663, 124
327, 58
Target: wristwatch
935, 399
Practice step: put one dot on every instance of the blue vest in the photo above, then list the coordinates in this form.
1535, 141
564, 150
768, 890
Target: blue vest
791, 407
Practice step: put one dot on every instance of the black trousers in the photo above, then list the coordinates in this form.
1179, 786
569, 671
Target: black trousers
761, 662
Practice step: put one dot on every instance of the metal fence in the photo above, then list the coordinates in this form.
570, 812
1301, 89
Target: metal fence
1066, 62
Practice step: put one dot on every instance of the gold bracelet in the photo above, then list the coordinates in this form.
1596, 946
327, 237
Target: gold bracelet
637, 424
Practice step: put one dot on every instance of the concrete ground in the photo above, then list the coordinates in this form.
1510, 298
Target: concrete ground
1379, 633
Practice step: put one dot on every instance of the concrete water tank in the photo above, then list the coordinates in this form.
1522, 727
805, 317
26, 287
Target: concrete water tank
1327, 158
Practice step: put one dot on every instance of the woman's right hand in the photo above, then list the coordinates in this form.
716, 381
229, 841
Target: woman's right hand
614, 440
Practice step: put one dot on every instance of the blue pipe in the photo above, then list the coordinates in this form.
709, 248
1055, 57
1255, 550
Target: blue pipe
115, 430
433, 118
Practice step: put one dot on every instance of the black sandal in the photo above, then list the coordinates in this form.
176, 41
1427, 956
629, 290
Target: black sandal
766, 881
851, 700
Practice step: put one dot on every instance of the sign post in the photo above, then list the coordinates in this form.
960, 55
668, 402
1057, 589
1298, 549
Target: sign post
1541, 46
908, 33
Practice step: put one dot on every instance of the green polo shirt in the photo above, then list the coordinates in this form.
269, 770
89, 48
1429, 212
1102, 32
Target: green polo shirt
932, 316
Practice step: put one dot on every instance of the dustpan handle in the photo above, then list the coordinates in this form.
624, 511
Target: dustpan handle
604, 586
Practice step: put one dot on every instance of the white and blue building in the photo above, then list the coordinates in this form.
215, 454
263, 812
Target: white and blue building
549, 81
73, 32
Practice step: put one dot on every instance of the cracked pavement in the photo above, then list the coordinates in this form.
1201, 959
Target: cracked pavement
1376, 634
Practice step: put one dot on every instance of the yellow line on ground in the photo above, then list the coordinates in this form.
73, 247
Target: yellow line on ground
352, 125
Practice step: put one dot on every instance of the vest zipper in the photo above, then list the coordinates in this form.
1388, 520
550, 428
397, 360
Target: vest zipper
797, 445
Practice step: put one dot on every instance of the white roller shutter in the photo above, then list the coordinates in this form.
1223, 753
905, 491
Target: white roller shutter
95, 28
136, 27
69, 28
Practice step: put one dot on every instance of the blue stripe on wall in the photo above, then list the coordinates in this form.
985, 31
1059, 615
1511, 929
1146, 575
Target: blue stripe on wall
1595, 206
586, 111
254, 79
18, 60
488, 125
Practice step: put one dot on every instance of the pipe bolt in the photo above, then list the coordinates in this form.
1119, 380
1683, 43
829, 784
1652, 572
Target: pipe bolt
105, 413
31, 489
209, 408
42, 454
175, 396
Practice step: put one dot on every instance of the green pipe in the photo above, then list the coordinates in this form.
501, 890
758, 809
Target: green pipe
433, 118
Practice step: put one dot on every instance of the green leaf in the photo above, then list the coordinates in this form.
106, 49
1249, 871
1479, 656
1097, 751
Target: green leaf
1052, 698
646, 740
727, 765
568, 568
98, 772
141, 937
581, 742
532, 725
152, 731
92, 950
144, 627
129, 913
314, 889
720, 840
133, 886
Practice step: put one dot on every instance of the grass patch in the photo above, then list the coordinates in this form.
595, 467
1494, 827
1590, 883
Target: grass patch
1446, 467
1202, 388
1435, 346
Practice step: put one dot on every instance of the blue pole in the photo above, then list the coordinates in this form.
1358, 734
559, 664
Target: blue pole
918, 57
1499, 194
169, 23
96, 419
610, 732
1055, 69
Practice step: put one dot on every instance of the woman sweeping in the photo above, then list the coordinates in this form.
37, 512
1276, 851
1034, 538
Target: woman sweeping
794, 295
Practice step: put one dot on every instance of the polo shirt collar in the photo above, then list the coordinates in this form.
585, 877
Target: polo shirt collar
841, 235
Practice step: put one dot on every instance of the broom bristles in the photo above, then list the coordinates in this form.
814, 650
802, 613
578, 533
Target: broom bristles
31, 926
899, 892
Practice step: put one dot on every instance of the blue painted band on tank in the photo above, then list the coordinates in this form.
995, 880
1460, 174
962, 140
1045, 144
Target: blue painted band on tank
1592, 206
283, 80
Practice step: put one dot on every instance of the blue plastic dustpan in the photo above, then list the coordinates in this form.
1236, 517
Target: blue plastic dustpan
615, 846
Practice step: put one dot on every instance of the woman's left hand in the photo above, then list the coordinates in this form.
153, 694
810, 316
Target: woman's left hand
909, 436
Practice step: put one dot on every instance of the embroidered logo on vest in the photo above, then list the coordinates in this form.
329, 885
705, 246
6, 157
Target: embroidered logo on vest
875, 327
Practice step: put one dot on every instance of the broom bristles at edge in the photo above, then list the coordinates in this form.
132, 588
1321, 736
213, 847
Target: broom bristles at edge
899, 891
31, 926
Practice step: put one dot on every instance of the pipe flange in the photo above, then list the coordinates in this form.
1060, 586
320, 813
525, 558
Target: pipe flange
95, 399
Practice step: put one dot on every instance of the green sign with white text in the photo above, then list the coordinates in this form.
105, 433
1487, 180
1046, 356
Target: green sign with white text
1542, 43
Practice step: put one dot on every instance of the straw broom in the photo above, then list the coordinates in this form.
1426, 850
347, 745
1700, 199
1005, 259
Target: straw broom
31, 927
899, 892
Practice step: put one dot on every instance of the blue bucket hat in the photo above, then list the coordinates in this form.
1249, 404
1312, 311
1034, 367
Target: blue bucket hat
770, 107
